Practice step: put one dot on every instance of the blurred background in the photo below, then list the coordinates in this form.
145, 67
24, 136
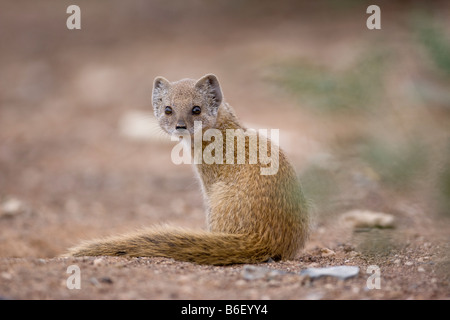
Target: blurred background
364, 115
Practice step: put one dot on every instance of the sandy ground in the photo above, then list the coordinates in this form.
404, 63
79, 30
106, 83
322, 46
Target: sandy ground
70, 172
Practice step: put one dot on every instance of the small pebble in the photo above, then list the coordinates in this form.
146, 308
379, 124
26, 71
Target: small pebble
94, 281
107, 280
98, 261
11, 207
325, 252
341, 272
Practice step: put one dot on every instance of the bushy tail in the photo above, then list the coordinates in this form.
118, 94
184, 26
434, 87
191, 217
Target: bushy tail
201, 247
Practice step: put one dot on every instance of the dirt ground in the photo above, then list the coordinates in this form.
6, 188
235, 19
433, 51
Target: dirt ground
70, 169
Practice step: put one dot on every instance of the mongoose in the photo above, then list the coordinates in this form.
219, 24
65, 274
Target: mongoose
251, 217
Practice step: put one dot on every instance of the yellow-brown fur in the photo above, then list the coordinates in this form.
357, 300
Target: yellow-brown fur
250, 217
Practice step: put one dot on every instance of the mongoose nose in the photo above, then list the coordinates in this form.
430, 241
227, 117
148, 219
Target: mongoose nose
181, 125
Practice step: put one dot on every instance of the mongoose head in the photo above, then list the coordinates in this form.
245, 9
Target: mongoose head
178, 104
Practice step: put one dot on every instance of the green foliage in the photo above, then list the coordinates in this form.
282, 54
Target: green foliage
396, 164
356, 88
444, 186
376, 243
319, 187
436, 43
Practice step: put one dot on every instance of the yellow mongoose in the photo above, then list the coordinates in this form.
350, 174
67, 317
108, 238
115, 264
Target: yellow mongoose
251, 217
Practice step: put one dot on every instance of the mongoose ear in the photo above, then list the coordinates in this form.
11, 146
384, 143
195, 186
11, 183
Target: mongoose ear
210, 87
160, 88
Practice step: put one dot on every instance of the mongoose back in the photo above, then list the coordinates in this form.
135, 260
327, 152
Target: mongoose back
251, 217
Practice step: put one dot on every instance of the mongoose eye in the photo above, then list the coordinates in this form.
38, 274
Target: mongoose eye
196, 110
168, 110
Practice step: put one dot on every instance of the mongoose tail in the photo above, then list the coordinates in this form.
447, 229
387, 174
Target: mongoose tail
201, 247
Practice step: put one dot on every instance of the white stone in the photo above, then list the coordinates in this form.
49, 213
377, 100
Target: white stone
368, 219
341, 272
